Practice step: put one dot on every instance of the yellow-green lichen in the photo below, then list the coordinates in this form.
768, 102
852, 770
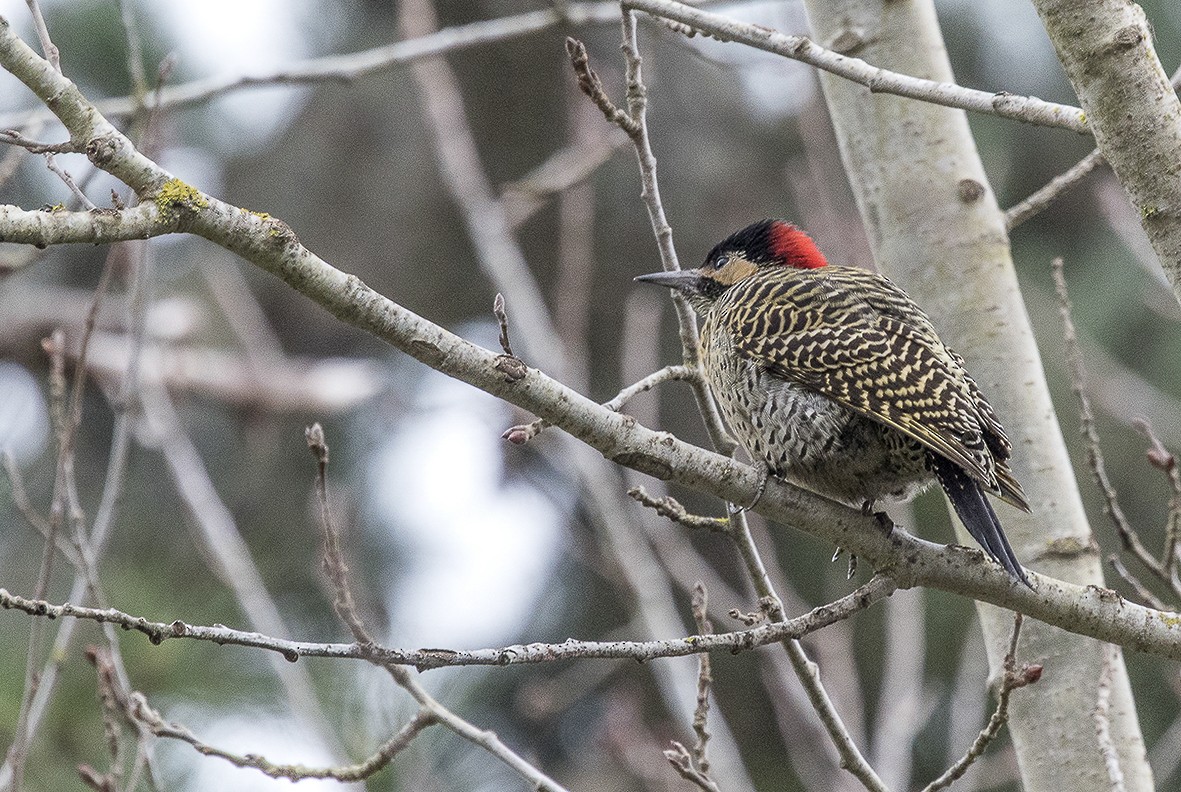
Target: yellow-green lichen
174, 195
1148, 210
276, 228
1169, 619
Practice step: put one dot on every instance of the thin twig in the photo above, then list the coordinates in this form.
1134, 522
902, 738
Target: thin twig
666, 374
704, 680
637, 100
1137, 585
113, 671
64, 175
851, 757
1102, 718
1165, 461
112, 712
523, 433
502, 321
1087, 418
1043, 197
334, 563
669, 507
1040, 199
142, 711
1013, 679
682, 761
590, 84
47, 46
634, 124
694, 766
15, 138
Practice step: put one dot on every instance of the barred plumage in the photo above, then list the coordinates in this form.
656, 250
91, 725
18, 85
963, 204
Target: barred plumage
837, 381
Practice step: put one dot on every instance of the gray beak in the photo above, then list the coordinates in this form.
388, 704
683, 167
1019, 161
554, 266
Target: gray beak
678, 279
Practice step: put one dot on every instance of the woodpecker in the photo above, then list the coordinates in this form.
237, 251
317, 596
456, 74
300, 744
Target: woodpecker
835, 380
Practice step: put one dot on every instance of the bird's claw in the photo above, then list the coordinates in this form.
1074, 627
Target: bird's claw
735, 508
852, 562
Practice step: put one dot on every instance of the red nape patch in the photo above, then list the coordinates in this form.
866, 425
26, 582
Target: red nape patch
793, 248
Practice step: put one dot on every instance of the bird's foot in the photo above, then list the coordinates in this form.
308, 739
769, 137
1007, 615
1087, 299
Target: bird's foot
737, 509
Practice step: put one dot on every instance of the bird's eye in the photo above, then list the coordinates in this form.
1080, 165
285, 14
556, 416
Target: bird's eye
721, 261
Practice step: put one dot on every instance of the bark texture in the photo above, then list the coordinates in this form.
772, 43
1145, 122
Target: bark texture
935, 227
1105, 46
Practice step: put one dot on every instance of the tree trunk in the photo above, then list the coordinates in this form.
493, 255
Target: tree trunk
935, 227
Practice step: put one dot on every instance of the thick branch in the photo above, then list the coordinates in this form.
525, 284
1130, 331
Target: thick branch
42, 228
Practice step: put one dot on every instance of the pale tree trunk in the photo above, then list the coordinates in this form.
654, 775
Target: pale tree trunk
1105, 46
935, 227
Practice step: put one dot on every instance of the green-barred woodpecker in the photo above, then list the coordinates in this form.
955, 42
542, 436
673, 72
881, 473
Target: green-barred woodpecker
836, 380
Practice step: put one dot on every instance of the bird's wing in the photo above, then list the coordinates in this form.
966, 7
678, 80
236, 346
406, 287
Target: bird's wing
885, 297
997, 441
884, 360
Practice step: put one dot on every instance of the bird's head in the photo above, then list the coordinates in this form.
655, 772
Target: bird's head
767, 243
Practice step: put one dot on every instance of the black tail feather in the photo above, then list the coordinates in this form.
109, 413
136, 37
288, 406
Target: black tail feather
977, 515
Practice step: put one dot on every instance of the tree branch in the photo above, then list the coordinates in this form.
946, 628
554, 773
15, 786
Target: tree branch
517, 654
140, 710
1028, 109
